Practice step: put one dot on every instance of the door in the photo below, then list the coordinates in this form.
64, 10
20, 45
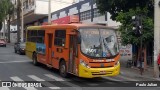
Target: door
50, 39
72, 54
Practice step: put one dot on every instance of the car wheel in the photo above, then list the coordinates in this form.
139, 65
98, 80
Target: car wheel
63, 69
34, 57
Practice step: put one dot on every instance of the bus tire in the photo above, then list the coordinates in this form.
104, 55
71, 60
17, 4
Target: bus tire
63, 69
34, 58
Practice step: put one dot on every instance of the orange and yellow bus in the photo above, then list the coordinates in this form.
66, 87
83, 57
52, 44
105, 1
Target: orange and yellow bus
80, 49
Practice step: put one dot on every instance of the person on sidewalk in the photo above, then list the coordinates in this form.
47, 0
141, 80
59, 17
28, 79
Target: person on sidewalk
141, 62
158, 62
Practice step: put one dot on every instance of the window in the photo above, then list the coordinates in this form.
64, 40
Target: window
35, 36
29, 35
60, 37
85, 15
96, 13
40, 36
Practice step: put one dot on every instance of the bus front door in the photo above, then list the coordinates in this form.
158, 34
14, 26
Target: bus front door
50, 37
72, 54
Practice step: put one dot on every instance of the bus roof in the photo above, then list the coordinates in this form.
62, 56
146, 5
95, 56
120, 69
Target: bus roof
34, 28
73, 25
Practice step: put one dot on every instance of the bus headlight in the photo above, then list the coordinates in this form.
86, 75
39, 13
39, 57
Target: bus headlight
82, 62
116, 63
110, 60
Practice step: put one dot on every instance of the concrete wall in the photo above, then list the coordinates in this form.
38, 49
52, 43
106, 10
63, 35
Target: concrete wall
13, 37
42, 6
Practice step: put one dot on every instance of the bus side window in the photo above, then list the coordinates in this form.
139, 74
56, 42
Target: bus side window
60, 37
28, 35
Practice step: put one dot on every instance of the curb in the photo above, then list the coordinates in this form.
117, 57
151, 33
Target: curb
138, 76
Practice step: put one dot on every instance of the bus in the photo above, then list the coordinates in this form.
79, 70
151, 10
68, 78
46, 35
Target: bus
84, 50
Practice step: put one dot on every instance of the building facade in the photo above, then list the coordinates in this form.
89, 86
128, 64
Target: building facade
35, 10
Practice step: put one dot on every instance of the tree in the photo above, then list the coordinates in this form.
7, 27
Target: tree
10, 12
122, 11
4, 8
0, 25
127, 34
116, 6
18, 19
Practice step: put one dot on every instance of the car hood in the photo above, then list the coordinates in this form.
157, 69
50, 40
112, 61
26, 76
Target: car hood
2, 42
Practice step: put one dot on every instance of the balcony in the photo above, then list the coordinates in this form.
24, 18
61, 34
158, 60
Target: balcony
29, 9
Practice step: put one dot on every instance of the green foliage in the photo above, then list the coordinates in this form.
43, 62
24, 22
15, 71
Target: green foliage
6, 7
127, 33
116, 6
123, 10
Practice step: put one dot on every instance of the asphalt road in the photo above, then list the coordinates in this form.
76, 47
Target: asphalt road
17, 68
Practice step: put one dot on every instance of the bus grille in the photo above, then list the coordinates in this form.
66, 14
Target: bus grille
99, 73
101, 67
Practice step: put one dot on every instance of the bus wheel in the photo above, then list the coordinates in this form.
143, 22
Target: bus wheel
62, 68
34, 57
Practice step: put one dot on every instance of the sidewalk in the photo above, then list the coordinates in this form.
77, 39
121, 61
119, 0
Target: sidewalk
10, 44
134, 73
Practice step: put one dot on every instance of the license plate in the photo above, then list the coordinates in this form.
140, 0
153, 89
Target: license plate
103, 72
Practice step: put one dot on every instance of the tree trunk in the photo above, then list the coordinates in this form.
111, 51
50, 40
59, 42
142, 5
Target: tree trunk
8, 23
18, 20
145, 57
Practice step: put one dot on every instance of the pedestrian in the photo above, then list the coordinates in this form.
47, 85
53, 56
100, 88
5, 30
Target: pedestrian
141, 62
158, 62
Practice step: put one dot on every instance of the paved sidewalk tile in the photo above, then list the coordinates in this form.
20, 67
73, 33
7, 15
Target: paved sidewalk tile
135, 74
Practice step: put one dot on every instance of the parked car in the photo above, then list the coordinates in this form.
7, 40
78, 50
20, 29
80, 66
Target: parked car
20, 48
2, 42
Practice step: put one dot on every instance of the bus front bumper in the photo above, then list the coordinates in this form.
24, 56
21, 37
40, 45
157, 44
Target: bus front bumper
98, 72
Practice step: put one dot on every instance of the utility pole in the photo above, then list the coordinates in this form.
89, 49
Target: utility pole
22, 27
49, 12
4, 29
18, 20
156, 35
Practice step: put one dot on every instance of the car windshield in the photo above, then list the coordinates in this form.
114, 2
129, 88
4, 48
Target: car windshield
98, 42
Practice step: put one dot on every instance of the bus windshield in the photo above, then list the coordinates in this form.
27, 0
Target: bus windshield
99, 42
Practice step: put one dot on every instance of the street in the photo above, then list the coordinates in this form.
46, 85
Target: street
15, 67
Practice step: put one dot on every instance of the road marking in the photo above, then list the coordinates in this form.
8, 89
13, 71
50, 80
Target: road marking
39, 79
54, 77
54, 87
16, 61
35, 78
15, 78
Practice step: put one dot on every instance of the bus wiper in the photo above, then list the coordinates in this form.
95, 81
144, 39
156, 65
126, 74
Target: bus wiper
106, 46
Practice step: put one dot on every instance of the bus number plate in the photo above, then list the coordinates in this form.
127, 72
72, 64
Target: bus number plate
103, 72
